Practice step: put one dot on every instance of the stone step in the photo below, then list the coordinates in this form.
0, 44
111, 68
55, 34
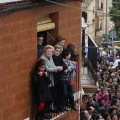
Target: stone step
89, 89
86, 78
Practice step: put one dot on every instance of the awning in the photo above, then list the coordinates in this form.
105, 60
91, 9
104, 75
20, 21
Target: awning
45, 23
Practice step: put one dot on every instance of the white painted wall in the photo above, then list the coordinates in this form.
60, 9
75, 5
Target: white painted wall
106, 10
90, 16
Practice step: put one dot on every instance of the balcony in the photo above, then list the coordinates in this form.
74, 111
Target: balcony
89, 69
100, 12
70, 114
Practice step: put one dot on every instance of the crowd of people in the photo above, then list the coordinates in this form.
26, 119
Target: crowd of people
104, 104
53, 77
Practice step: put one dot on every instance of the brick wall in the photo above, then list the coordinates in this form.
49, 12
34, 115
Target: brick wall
18, 45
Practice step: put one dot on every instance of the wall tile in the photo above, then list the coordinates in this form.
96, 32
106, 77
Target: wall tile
10, 19
26, 113
26, 103
17, 108
3, 83
19, 116
26, 15
1, 115
5, 114
2, 30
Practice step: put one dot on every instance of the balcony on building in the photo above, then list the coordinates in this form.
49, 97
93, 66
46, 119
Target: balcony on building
99, 12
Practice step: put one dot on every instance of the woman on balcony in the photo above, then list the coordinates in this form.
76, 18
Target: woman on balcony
51, 68
60, 40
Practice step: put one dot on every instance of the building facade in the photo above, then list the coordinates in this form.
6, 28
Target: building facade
18, 50
98, 20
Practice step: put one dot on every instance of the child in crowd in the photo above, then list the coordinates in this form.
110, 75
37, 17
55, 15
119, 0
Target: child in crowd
68, 77
40, 83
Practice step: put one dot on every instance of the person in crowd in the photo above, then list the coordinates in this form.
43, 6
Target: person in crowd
40, 82
91, 102
110, 66
116, 104
93, 116
83, 116
103, 95
104, 60
74, 54
118, 67
40, 46
91, 110
102, 104
110, 58
102, 52
68, 76
60, 40
98, 117
113, 110
58, 60
116, 62
87, 114
106, 116
112, 76
108, 82
50, 67
83, 104
114, 116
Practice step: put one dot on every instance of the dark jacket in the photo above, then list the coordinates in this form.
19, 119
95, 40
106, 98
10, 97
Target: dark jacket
41, 88
58, 60
39, 51
110, 59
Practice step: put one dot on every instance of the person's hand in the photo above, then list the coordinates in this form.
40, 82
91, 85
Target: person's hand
73, 62
40, 73
66, 70
69, 67
46, 74
59, 68
104, 94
